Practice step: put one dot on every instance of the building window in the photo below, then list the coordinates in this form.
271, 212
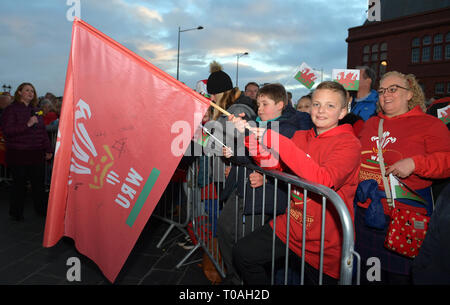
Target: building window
426, 40
426, 54
447, 37
416, 42
374, 67
438, 38
447, 51
439, 88
437, 52
374, 54
448, 87
415, 55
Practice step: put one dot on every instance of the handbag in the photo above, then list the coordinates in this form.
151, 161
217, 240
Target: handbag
406, 231
408, 226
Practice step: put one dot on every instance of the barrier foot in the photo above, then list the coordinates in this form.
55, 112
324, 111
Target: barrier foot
159, 245
181, 263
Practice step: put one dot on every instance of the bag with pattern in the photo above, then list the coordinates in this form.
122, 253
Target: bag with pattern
406, 231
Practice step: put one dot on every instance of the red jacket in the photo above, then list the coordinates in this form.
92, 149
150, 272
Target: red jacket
415, 135
331, 159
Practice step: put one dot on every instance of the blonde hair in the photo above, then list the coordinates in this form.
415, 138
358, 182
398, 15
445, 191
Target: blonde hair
335, 87
411, 83
225, 100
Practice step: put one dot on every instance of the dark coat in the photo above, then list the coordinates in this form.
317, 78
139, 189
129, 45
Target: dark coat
18, 135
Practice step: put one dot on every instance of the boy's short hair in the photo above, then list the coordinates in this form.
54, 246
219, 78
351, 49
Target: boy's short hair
336, 87
275, 92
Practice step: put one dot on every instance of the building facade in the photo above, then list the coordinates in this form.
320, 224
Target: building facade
418, 43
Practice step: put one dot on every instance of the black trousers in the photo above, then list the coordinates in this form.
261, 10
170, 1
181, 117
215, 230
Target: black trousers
253, 256
21, 174
230, 220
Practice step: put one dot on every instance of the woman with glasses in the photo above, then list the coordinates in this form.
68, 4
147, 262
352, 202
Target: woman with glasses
416, 149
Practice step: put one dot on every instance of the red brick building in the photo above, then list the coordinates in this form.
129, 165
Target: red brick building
418, 43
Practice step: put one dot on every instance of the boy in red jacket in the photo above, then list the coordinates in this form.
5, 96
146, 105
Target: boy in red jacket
327, 154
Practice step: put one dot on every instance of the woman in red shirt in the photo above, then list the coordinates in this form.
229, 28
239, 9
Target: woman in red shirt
416, 149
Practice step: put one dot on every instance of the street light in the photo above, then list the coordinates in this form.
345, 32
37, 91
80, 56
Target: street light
237, 66
178, 56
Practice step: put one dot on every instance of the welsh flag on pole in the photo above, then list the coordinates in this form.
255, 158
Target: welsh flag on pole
121, 135
349, 78
306, 76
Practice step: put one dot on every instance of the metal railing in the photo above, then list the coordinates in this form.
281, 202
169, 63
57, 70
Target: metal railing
202, 213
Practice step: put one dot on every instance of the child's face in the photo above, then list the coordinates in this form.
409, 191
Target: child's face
267, 109
326, 110
304, 105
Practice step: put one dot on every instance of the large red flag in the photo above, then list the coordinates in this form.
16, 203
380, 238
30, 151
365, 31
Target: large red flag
116, 148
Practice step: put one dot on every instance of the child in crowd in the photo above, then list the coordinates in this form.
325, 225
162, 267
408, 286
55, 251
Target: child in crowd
304, 104
273, 112
327, 154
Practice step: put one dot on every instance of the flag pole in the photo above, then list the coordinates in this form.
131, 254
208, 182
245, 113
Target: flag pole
225, 112
219, 108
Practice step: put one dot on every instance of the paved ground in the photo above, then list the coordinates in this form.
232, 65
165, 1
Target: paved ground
23, 260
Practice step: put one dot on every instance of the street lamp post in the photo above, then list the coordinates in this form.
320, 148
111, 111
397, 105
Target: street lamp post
237, 66
178, 55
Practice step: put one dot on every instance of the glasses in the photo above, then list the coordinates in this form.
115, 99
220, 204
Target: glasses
390, 89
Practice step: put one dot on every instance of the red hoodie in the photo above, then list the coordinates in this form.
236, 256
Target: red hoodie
415, 135
331, 159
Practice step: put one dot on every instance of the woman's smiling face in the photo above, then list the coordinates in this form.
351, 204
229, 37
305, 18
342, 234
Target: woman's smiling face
394, 95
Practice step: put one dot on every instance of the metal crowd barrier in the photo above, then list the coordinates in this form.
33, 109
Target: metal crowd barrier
5, 174
202, 212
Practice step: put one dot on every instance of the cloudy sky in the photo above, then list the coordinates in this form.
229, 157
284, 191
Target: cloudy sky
278, 35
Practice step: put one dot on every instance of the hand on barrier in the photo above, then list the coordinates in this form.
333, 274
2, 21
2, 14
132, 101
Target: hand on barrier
256, 179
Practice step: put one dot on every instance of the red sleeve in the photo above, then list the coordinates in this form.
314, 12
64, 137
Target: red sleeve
435, 163
267, 159
332, 172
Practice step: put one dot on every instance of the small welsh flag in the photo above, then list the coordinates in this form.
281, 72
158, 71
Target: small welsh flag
401, 190
348, 78
204, 139
306, 76
443, 114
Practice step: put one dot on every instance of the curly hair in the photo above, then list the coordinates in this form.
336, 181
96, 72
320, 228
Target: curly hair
411, 83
